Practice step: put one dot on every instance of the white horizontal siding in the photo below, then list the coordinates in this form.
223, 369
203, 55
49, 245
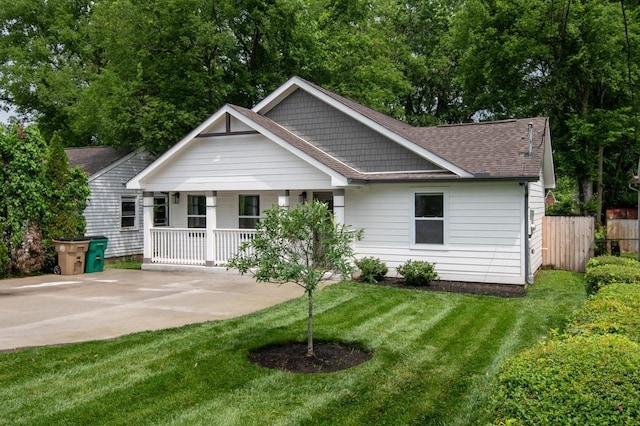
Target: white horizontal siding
103, 209
483, 228
236, 163
536, 203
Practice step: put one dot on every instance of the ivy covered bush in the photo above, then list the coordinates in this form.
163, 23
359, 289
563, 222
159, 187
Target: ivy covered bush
572, 381
43, 199
612, 260
4, 259
605, 270
418, 273
590, 374
372, 269
614, 310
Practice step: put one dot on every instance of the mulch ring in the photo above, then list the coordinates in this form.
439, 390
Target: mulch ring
292, 356
502, 290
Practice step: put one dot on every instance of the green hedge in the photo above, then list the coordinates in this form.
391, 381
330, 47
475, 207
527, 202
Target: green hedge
571, 381
612, 260
615, 309
606, 270
590, 374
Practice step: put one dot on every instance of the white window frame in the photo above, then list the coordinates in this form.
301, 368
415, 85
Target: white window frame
196, 216
444, 219
129, 199
256, 217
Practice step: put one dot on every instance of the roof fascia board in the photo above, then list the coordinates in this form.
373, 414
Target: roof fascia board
294, 83
135, 182
548, 166
518, 179
278, 95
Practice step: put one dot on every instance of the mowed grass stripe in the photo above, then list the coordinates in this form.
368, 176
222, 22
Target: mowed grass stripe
434, 357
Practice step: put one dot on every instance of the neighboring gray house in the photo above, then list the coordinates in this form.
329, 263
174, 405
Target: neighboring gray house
468, 197
113, 210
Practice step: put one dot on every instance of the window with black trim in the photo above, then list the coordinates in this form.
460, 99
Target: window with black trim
128, 212
196, 211
248, 211
429, 218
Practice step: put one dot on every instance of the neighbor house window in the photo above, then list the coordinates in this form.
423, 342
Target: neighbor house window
161, 209
248, 211
429, 218
196, 211
128, 213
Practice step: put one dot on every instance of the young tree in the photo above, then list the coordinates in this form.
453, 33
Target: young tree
303, 245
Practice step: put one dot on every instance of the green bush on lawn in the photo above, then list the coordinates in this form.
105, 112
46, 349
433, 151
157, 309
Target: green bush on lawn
576, 380
418, 273
599, 276
372, 269
614, 310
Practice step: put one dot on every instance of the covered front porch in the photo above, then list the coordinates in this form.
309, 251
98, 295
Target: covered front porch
206, 228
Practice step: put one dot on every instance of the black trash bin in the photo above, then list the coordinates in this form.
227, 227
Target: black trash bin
95, 254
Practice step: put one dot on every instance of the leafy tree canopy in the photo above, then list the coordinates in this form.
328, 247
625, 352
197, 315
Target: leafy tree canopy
144, 73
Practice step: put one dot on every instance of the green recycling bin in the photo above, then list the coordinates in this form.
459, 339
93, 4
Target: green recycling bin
95, 254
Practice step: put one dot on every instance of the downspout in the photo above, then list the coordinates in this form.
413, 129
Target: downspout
527, 226
527, 243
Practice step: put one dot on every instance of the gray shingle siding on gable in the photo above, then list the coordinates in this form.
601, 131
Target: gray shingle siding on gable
343, 137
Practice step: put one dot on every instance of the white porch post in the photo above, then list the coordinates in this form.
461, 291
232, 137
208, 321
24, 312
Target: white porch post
338, 205
147, 224
212, 219
283, 199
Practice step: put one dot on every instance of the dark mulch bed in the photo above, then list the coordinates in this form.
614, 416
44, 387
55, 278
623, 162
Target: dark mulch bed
292, 356
503, 290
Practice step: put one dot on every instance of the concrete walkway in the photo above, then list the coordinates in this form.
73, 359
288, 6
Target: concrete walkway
56, 309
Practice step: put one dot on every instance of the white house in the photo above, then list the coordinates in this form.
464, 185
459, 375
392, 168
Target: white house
113, 210
468, 197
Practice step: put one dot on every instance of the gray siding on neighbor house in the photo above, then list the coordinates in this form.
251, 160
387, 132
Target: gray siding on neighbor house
343, 137
103, 212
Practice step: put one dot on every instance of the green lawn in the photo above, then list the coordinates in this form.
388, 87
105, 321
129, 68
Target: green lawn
434, 357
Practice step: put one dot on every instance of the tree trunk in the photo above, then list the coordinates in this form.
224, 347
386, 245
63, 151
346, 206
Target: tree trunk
585, 189
310, 352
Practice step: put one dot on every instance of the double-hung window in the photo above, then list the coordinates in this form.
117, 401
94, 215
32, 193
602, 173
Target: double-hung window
248, 211
128, 211
160, 209
429, 218
196, 211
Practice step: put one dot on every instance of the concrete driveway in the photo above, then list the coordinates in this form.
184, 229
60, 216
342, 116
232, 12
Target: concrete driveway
56, 309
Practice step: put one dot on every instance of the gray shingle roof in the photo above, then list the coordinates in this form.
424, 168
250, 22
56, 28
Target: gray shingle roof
92, 159
486, 150
492, 149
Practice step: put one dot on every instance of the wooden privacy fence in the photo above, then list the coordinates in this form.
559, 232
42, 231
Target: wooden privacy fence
625, 231
567, 242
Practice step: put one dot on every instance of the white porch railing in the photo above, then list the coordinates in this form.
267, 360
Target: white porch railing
227, 241
188, 246
178, 246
